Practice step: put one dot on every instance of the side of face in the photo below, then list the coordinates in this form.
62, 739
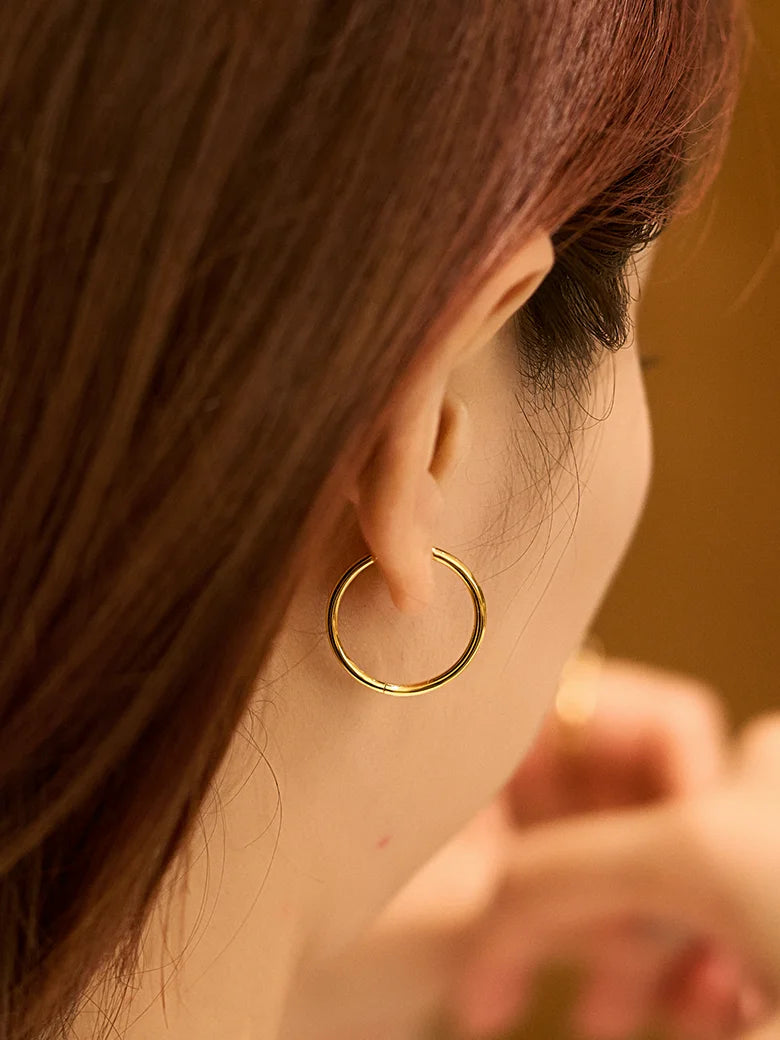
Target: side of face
540, 505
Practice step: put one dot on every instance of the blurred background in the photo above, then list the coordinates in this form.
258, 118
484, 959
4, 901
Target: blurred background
700, 589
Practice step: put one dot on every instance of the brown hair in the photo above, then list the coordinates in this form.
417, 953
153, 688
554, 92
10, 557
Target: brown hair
226, 227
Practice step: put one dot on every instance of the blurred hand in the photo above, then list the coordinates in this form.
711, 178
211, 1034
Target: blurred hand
644, 736
636, 735
699, 877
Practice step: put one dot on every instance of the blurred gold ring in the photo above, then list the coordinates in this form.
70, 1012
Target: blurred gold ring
577, 698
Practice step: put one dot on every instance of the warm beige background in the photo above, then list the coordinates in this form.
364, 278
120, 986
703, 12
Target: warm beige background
700, 589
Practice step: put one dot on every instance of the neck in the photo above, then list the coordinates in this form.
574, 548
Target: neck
222, 950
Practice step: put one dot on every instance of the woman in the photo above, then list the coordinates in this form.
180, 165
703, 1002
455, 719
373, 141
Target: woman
259, 266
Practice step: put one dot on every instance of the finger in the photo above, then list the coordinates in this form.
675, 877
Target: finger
677, 721
496, 1001
702, 995
626, 970
759, 748
571, 875
651, 735
536, 791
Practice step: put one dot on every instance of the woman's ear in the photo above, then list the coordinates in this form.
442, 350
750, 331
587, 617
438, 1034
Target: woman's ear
400, 492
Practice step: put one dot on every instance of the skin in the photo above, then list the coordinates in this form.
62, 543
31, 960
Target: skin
653, 736
705, 865
669, 910
370, 785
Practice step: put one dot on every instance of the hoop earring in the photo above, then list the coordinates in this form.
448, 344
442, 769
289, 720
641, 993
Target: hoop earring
398, 689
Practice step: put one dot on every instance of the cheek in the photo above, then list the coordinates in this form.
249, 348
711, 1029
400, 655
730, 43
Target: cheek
552, 536
622, 465
589, 521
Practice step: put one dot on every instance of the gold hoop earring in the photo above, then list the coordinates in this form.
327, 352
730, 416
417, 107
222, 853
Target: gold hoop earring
399, 689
